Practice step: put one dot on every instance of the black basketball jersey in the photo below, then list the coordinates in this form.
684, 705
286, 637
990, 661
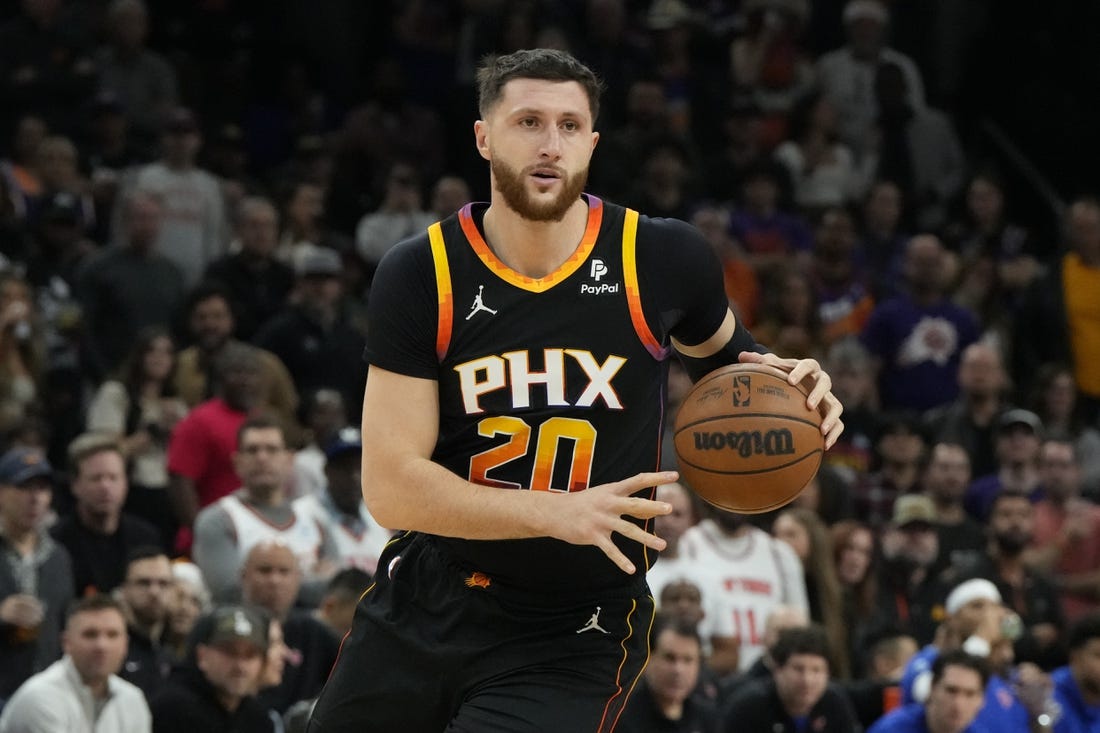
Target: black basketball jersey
550, 384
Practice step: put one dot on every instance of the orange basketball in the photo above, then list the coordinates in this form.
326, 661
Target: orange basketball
746, 441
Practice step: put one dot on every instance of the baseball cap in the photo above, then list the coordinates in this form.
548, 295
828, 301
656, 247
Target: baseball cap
865, 10
320, 262
346, 440
1012, 418
235, 623
20, 465
913, 509
971, 590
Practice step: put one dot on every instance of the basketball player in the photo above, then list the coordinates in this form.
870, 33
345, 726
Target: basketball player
524, 345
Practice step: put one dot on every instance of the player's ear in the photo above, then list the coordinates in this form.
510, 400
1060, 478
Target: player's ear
481, 137
595, 139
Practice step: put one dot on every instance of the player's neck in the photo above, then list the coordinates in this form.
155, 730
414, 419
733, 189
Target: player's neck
534, 248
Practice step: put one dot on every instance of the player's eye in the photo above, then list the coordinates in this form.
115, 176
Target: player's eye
571, 126
528, 122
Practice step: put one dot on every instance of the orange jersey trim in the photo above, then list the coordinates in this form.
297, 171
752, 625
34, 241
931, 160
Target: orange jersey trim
445, 322
532, 284
633, 294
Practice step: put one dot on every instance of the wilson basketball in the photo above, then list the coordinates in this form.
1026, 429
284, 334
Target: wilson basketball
746, 441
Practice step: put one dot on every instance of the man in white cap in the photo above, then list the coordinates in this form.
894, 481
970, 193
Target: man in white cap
847, 75
978, 623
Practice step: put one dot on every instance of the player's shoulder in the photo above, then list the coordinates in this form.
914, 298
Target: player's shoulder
667, 231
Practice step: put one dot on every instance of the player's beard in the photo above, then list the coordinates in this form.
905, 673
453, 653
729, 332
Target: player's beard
512, 185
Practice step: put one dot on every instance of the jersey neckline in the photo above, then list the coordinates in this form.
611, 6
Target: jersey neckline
536, 285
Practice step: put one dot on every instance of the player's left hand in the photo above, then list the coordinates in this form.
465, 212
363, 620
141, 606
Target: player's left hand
821, 397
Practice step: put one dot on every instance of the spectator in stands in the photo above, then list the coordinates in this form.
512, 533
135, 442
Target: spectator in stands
918, 337
790, 319
670, 527
1066, 544
809, 538
648, 122
226, 530
145, 596
900, 451
1058, 320
958, 689
36, 580
739, 149
753, 573
945, 480
1019, 437
400, 215
339, 510
971, 420
742, 284
313, 336
337, 608
99, 535
194, 230
843, 298
664, 183
1054, 400
883, 242
853, 455
799, 694
82, 691
143, 80
1029, 594
139, 409
215, 690
258, 283
189, 599
449, 194
57, 164
303, 222
847, 74
211, 324
129, 287
108, 153
324, 415
908, 592
665, 697
271, 580
854, 552
1077, 686
822, 169
780, 619
770, 235
200, 451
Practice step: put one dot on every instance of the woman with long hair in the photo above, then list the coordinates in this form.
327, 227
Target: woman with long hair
804, 531
140, 407
853, 554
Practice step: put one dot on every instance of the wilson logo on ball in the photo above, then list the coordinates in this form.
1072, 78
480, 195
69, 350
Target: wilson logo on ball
749, 443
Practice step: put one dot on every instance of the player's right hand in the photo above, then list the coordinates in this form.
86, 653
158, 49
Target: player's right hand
591, 516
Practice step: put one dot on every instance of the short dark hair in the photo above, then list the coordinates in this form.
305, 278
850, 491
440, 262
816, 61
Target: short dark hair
663, 622
801, 640
538, 63
1083, 631
349, 583
259, 422
959, 658
1005, 496
92, 603
145, 552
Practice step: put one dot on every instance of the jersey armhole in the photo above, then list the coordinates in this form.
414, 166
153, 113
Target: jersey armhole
445, 319
633, 294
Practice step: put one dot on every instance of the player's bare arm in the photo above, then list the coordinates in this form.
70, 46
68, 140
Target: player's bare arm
820, 398
404, 489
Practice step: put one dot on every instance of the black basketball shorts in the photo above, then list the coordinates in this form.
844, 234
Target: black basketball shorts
438, 648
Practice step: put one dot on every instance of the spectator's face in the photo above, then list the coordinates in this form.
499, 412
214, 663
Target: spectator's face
671, 527
159, 358
143, 222
185, 607
271, 578
916, 543
262, 461
954, 700
258, 230
971, 614
794, 533
981, 371
538, 139
852, 383
23, 508
211, 323
307, 205
450, 195
1085, 664
761, 193
277, 651
855, 557
233, 669
1012, 523
646, 103
241, 383
865, 35
673, 668
883, 210
801, 682
900, 447
925, 264
100, 485
344, 485
684, 600
1060, 397
96, 641
985, 201
1058, 470
1017, 444
948, 473
148, 588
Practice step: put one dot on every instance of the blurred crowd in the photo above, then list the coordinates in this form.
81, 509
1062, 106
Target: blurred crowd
194, 198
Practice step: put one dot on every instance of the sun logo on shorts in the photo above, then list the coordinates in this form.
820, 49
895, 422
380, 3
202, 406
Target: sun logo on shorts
479, 580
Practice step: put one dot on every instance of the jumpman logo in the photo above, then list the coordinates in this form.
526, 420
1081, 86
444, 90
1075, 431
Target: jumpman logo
479, 305
593, 624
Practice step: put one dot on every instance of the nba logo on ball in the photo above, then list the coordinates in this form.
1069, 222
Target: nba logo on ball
745, 439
